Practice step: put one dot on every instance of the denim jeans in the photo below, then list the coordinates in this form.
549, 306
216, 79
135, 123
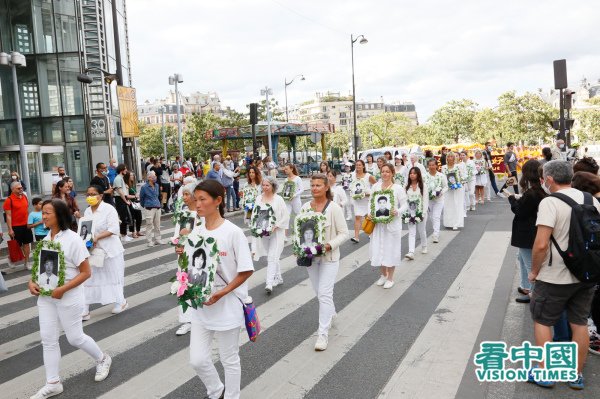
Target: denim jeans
230, 197
524, 258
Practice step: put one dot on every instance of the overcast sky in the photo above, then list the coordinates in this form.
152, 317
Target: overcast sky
427, 52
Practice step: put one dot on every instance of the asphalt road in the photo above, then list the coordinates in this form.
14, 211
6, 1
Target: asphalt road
417, 339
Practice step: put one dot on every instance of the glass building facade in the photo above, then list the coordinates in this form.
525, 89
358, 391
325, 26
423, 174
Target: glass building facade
55, 106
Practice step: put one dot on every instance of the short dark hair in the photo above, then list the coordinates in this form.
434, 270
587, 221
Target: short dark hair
510, 144
98, 188
63, 214
586, 164
36, 201
586, 181
99, 165
121, 167
383, 197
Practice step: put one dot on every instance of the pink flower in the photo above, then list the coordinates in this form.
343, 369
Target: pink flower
182, 277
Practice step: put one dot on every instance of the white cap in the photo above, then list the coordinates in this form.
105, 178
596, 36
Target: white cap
348, 164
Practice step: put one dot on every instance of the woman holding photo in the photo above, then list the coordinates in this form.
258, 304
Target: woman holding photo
360, 202
469, 181
324, 167
481, 176
339, 194
272, 245
63, 309
371, 166
106, 284
254, 182
381, 253
222, 315
437, 186
294, 204
454, 199
418, 202
323, 271
399, 171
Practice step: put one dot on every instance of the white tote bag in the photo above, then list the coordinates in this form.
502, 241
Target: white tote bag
96, 257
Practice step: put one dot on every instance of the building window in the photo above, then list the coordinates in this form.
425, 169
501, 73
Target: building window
324, 109
47, 73
52, 131
74, 129
342, 115
43, 26
343, 122
30, 99
66, 26
72, 97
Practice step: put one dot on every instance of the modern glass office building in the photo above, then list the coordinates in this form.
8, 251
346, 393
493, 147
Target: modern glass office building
64, 122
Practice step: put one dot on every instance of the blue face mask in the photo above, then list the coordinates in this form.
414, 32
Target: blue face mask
104, 173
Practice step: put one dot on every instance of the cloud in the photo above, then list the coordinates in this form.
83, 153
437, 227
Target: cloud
428, 52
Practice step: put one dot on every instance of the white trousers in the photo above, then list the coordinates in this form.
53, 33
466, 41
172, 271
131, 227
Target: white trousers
412, 235
273, 246
295, 205
435, 214
152, 225
469, 194
201, 360
64, 313
322, 277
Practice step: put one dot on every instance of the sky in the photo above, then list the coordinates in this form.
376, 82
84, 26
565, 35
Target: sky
427, 52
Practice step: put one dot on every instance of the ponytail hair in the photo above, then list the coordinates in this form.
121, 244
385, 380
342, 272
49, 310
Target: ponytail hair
293, 168
215, 190
323, 177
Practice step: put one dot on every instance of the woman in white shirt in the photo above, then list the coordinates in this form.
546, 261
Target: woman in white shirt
106, 284
469, 168
222, 315
360, 201
323, 271
371, 167
399, 171
253, 184
481, 176
418, 202
184, 226
295, 203
63, 309
437, 185
272, 245
454, 211
385, 250
339, 194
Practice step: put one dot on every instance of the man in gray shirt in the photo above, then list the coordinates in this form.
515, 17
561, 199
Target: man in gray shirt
510, 161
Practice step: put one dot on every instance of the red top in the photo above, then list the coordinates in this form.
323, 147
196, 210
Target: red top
184, 170
19, 208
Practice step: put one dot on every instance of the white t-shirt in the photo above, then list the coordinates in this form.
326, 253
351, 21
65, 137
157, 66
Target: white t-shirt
56, 178
235, 257
555, 213
177, 176
74, 249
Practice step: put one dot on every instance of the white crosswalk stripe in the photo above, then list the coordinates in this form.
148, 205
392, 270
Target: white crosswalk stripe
300, 369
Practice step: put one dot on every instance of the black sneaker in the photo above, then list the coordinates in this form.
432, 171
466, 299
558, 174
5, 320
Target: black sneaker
523, 299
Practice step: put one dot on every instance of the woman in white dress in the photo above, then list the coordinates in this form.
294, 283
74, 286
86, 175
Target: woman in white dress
385, 250
63, 309
400, 171
346, 181
454, 199
272, 245
323, 271
106, 283
380, 162
481, 176
254, 183
339, 194
184, 226
371, 167
295, 203
437, 185
361, 181
417, 196
222, 315
469, 181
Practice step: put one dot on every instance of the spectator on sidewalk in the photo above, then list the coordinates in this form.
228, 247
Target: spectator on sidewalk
556, 289
135, 208
16, 209
215, 173
149, 201
63, 192
112, 170
35, 222
101, 180
122, 203
586, 164
487, 155
227, 180
557, 150
546, 155
14, 176
165, 185
55, 179
510, 161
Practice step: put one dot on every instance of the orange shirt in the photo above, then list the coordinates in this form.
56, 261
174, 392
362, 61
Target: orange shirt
19, 208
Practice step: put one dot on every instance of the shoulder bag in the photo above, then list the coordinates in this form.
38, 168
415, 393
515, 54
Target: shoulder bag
96, 258
250, 315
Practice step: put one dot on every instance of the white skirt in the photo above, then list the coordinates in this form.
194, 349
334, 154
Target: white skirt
481, 180
361, 206
106, 284
454, 211
381, 252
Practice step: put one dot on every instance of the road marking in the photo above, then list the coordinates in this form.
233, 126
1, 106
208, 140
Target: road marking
432, 368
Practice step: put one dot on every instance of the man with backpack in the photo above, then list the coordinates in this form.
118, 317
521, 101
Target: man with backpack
16, 211
567, 223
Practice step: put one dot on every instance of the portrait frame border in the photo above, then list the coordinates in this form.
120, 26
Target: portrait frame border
52, 246
383, 219
320, 220
254, 218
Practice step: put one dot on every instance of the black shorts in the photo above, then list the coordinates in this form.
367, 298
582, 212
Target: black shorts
40, 237
23, 235
548, 301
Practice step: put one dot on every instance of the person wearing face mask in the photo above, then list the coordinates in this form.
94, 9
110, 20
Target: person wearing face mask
112, 170
149, 201
558, 151
487, 155
101, 180
61, 175
14, 176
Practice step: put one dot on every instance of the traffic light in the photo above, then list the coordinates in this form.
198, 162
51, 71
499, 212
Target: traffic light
253, 113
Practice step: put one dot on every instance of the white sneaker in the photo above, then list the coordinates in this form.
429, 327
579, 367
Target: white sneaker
86, 316
160, 242
126, 239
321, 343
436, 239
28, 266
424, 250
388, 284
103, 368
410, 256
455, 228
278, 280
48, 391
269, 288
119, 307
151, 244
381, 281
184, 329
500, 195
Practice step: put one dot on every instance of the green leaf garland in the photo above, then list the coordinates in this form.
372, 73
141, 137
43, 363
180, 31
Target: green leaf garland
284, 189
382, 219
254, 230
319, 220
54, 246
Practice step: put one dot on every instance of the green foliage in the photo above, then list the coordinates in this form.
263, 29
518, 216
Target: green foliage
588, 128
151, 142
386, 129
195, 143
277, 114
453, 122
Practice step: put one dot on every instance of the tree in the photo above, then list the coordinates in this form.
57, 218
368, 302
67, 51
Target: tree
386, 129
588, 126
453, 122
195, 142
276, 113
151, 142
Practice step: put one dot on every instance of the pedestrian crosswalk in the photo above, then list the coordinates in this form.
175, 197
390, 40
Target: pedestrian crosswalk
149, 361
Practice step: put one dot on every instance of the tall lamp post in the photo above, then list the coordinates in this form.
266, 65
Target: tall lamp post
174, 80
13, 60
287, 117
162, 130
266, 92
363, 40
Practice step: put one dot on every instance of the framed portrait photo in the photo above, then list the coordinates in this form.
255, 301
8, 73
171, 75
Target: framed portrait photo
382, 205
262, 221
48, 270
309, 229
288, 190
357, 189
85, 229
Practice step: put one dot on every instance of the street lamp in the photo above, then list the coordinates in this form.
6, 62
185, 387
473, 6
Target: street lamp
162, 129
287, 119
13, 60
363, 40
174, 80
266, 92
